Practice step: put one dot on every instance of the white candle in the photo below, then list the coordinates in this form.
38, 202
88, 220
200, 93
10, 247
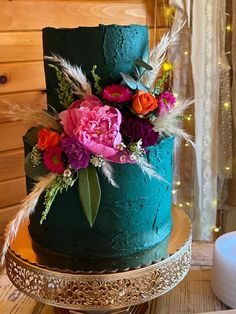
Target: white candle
224, 269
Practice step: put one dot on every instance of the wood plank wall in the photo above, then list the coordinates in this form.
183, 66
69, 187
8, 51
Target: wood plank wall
21, 67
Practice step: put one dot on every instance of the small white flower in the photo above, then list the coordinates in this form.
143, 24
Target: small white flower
67, 173
133, 157
97, 161
121, 146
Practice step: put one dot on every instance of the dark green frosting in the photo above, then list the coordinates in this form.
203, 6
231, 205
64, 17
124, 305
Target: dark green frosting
112, 48
133, 218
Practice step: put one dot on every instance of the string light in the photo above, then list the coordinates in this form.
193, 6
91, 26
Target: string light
175, 94
187, 203
181, 205
186, 144
185, 53
228, 28
226, 105
214, 202
187, 117
178, 183
174, 192
216, 229
227, 168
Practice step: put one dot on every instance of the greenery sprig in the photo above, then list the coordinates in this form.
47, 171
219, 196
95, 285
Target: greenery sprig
96, 78
64, 91
60, 183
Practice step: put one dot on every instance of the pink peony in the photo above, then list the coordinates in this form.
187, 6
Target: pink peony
89, 101
97, 128
116, 93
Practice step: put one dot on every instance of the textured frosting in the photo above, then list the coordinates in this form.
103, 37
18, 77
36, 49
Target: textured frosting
131, 218
110, 47
134, 217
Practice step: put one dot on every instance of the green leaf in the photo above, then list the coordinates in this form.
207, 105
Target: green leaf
90, 193
143, 64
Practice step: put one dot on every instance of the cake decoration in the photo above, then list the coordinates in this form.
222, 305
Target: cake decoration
98, 127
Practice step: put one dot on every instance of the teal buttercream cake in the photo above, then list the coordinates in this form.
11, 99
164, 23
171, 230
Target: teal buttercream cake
133, 218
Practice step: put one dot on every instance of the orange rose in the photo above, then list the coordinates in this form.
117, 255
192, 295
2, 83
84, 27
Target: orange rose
143, 102
47, 139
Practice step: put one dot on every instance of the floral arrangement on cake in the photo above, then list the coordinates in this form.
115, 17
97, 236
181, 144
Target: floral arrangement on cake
100, 125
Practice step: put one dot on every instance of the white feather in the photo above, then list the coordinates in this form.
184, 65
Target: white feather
74, 76
108, 172
168, 124
26, 208
32, 115
148, 169
158, 55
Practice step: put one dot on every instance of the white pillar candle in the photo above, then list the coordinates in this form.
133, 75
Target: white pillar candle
224, 269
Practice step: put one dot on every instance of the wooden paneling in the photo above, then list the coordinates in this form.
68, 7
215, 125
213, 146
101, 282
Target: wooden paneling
11, 135
6, 215
26, 99
34, 16
27, 46
11, 164
12, 192
20, 46
25, 76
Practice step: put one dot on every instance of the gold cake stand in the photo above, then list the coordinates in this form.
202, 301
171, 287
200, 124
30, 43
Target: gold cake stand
123, 291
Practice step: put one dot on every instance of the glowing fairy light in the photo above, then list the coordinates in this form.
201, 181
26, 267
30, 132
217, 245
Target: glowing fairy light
216, 229
186, 53
227, 168
178, 183
226, 105
229, 28
181, 205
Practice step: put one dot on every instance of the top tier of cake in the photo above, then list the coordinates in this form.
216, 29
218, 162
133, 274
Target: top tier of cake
112, 48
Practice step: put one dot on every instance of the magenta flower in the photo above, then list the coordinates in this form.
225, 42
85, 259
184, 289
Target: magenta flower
89, 101
76, 155
97, 128
116, 93
166, 102
53, 159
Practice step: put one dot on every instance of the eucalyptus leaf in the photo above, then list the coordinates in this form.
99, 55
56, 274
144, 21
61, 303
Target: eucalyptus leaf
89, 192
129, 80
140, 86
143, 64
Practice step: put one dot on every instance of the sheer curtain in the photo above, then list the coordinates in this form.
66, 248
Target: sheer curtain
202, 71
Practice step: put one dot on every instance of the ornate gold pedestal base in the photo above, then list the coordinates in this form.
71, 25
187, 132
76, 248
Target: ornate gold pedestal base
138, 309
118, 292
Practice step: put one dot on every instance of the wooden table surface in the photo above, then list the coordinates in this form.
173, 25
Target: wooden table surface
192, 295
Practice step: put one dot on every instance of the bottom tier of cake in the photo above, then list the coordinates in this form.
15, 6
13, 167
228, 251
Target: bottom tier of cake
132, 218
